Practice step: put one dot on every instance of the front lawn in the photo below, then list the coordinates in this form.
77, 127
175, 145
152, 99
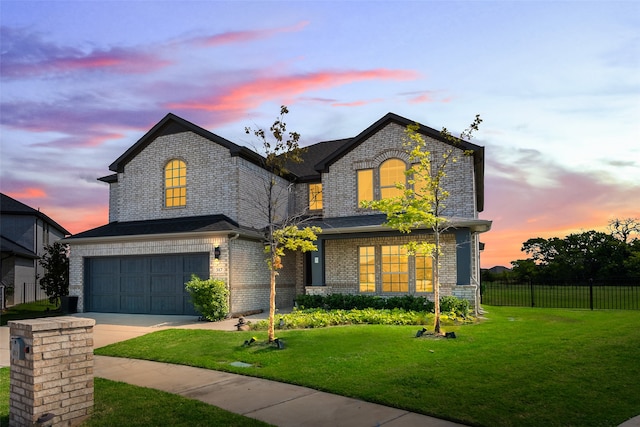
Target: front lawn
518, 367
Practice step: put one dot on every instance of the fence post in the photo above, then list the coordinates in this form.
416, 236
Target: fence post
533, 300
591, 294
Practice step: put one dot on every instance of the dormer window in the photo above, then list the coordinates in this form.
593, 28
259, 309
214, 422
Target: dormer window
315, 197
175, 184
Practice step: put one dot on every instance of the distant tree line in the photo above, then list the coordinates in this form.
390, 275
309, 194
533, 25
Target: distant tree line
596, 255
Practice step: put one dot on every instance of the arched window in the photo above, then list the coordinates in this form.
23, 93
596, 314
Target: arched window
391, 172
175, 184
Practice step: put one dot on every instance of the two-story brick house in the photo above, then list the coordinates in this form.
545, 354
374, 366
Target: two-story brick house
185, 201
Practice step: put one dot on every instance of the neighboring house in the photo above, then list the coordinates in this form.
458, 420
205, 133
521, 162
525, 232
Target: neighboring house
25, 232
185, 201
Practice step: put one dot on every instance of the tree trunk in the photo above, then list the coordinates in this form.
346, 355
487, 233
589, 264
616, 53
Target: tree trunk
436, 282
272, 303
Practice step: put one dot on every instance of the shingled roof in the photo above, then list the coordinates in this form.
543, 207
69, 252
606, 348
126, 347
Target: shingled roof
194, 224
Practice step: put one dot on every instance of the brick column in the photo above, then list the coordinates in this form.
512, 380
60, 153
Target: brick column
52, 379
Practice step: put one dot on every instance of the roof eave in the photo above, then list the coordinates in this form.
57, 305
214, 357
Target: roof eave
475, 225
161, 236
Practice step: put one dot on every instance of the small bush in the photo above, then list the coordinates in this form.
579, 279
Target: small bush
361, 302
451, 304
209, 297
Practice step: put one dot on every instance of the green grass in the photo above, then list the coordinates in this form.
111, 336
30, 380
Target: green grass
519, 367
120, 404
4, 397
30, 310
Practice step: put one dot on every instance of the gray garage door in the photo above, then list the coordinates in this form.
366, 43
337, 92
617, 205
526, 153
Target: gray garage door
142, 284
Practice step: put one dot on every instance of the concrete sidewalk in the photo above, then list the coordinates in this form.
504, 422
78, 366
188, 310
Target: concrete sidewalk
276, 403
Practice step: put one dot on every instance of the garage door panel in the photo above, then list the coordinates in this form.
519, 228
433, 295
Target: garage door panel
105, 265
130, 265
103, 303
105, 285
134, 304
197, 264
142, 284
164, 285
166, 264
133, 284
166, 305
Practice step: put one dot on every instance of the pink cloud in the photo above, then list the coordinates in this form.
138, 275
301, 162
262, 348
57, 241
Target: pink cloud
356, 103
90, 138
246, 36
252, 94
28, 193
120, 60
421, 99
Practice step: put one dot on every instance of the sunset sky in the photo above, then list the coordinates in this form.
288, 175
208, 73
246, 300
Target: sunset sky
556, 83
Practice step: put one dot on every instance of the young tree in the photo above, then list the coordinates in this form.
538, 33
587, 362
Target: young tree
422, 201
282, 231
55, 281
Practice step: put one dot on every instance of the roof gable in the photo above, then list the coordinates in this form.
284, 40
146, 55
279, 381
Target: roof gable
377, 126
172, 124
478, 152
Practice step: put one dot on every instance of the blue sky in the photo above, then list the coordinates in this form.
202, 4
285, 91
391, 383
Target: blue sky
556, 83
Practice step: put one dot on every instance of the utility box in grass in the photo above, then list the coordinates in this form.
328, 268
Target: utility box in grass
51, 371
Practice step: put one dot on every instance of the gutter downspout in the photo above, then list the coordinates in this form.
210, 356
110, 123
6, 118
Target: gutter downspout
231, 238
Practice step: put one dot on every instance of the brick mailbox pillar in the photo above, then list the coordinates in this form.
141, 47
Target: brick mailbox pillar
51, 372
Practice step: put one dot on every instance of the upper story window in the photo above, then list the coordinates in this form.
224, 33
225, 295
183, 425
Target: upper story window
382, 183
175, 184
365, 185
391, 172
315, 197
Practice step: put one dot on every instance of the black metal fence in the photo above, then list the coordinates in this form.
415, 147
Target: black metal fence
615, 294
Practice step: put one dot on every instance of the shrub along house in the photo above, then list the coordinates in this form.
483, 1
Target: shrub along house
185, 201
